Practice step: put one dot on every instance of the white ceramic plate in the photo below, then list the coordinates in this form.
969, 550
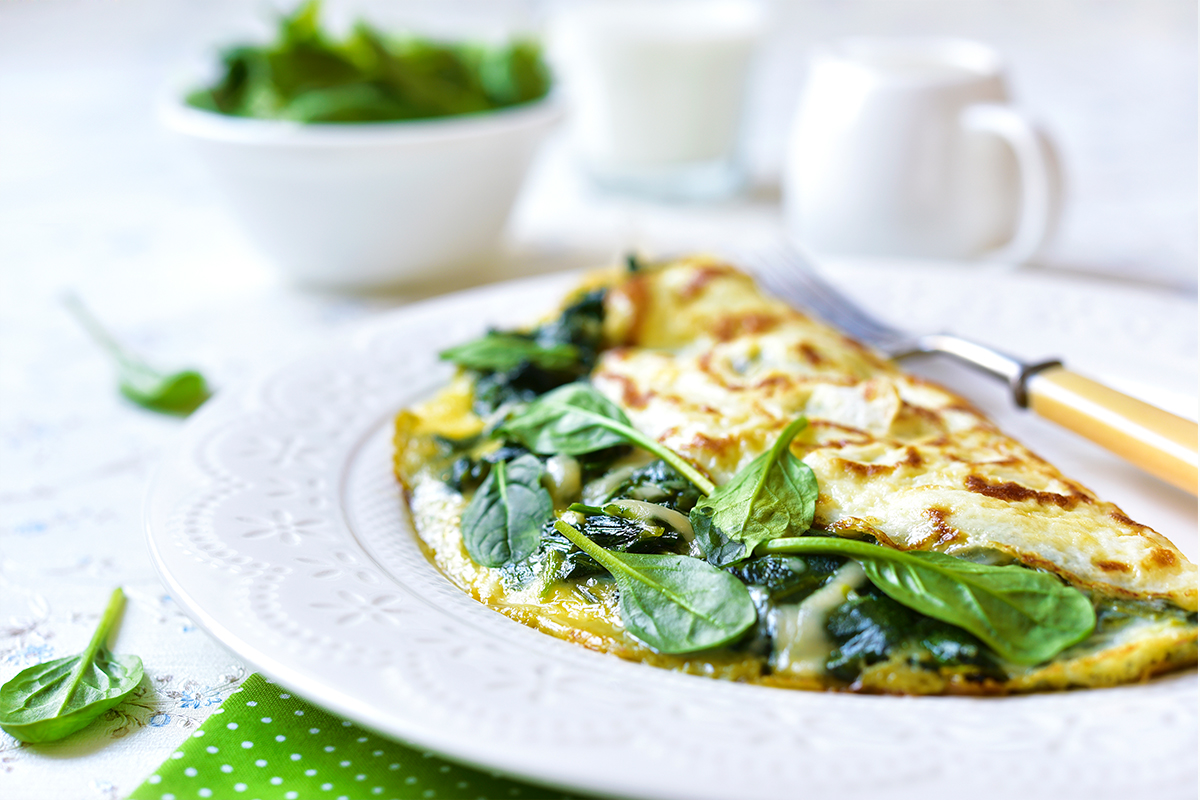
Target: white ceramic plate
279, 527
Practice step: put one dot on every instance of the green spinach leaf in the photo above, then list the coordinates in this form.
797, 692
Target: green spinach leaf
52, 700
499, 352
772, 496
503, 522
675, 604
514, 74
580, 328
867, 628
178, 393
308, 76
467, 472
576, 419
787, 579
1027, 617
616, 528
870, 627
660, 483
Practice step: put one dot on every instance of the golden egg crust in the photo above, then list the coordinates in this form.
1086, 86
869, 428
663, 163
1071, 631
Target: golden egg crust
702, 361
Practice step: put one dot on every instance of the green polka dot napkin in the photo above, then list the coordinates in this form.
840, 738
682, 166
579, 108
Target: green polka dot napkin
265, 744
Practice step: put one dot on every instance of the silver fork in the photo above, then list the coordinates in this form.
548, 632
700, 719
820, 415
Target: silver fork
1157, 441
790, 276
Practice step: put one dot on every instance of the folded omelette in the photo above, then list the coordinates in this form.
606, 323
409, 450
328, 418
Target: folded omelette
676, 469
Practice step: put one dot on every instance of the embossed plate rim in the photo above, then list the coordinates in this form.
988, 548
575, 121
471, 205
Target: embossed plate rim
230, 558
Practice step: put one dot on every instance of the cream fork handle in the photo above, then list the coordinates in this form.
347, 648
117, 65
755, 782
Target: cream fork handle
1155, 440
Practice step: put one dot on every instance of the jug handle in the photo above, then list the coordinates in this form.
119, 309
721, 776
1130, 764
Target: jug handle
1040, 175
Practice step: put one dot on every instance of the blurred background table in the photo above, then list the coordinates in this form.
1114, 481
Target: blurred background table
95, 197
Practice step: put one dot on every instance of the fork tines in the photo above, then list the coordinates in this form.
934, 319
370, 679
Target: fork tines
790, 276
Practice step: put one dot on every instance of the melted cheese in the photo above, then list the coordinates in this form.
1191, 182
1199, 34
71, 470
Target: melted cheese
801, 644
700, 360
895, 456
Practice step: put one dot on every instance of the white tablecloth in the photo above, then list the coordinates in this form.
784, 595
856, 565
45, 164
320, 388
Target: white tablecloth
96, 198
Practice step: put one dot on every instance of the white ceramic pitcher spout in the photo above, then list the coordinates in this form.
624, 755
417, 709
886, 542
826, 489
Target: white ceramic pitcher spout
909, 147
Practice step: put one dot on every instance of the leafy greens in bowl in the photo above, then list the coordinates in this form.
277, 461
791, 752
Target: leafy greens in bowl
369, 162
308, 76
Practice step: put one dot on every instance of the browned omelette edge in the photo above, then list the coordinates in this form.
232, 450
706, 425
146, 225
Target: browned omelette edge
1155, 653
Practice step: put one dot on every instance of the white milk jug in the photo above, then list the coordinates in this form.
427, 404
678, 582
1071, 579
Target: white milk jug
910, 148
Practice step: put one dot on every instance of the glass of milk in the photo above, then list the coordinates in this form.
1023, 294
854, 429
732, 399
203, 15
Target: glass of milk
657, 89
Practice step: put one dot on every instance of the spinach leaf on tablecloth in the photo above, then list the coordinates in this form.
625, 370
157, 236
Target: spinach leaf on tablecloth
178, 393
52, 700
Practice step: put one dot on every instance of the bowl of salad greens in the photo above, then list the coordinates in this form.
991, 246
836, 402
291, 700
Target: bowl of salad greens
368, 160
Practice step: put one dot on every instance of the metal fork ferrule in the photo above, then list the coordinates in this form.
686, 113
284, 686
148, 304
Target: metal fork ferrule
1009, 369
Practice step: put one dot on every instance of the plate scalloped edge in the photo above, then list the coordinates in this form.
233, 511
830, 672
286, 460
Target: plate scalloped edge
278, 527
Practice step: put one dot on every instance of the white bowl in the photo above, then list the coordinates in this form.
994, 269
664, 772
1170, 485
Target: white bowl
362, 205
